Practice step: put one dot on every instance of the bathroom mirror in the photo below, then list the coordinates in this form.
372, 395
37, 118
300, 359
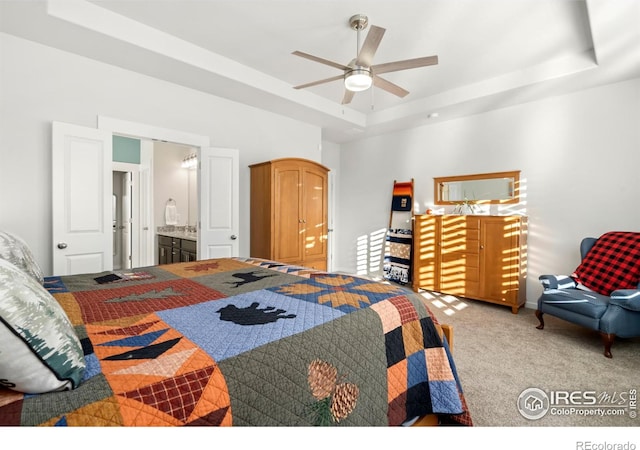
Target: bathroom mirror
486, 188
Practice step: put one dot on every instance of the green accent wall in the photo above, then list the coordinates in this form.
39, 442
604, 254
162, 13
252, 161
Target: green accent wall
126, 150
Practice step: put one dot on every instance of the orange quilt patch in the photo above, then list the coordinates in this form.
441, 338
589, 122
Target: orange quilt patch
158, 376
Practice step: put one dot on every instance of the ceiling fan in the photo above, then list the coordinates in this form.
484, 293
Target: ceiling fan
361, 73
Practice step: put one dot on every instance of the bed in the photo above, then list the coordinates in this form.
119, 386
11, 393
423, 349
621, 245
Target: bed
227, 342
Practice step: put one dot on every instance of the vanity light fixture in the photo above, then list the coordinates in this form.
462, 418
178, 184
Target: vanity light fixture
190, 162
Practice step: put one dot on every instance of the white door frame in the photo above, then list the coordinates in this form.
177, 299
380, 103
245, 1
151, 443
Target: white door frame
134, 169
141, 130
331, 222
146, 223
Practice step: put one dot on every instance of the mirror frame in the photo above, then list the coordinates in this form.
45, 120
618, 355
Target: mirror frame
515, 174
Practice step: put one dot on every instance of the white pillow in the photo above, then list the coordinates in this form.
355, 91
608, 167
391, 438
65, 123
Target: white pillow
15, 250
39, 349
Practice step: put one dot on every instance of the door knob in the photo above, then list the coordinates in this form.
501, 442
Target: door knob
62, 245
234, 237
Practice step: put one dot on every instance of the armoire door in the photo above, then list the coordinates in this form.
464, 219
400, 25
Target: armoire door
288, 214
314, 216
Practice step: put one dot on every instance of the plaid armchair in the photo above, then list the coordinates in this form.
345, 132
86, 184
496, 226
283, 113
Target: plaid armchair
603, 293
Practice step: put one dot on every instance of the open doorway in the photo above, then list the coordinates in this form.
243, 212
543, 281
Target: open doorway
121, 218
83, 154
214, 206
175, 179
142, 188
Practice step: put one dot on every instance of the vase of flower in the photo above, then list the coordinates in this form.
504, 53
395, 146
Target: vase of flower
465, 207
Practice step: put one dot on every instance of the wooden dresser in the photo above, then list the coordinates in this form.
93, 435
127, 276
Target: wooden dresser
289, 210
477, 257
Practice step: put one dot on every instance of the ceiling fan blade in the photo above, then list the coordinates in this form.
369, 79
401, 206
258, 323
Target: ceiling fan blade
348, 96
315, 83
405, 64
321, 60
370, 45
389, 86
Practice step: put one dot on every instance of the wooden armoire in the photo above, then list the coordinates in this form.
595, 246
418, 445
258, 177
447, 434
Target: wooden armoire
289, 208
478, 257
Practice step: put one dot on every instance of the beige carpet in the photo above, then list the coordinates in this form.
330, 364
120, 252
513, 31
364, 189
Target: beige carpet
499, 355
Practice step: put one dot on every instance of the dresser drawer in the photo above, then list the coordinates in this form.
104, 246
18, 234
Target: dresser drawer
463, 267
450, 246
452, 223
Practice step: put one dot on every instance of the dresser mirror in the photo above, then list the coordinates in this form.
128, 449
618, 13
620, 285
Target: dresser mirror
485, 188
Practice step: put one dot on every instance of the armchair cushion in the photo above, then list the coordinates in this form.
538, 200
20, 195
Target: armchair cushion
584, 303
613, 263
557, 282
627, 299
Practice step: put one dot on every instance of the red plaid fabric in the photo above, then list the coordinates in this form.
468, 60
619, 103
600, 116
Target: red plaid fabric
612, 263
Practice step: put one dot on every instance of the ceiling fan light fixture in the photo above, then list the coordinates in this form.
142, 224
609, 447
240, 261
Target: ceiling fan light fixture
358, 79
361, 73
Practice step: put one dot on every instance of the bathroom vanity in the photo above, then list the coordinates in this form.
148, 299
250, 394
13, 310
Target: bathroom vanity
177, 246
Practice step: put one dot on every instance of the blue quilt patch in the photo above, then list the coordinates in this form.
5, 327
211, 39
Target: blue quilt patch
444, 396
416, 369
54, 285
222, 329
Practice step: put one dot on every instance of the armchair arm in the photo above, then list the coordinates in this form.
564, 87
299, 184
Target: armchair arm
626, 298
557, 282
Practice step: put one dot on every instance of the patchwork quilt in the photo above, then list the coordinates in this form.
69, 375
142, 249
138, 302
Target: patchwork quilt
246, 342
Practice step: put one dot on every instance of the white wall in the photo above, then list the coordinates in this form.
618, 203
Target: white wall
580, 160
39, 85
331, 159
171, 181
